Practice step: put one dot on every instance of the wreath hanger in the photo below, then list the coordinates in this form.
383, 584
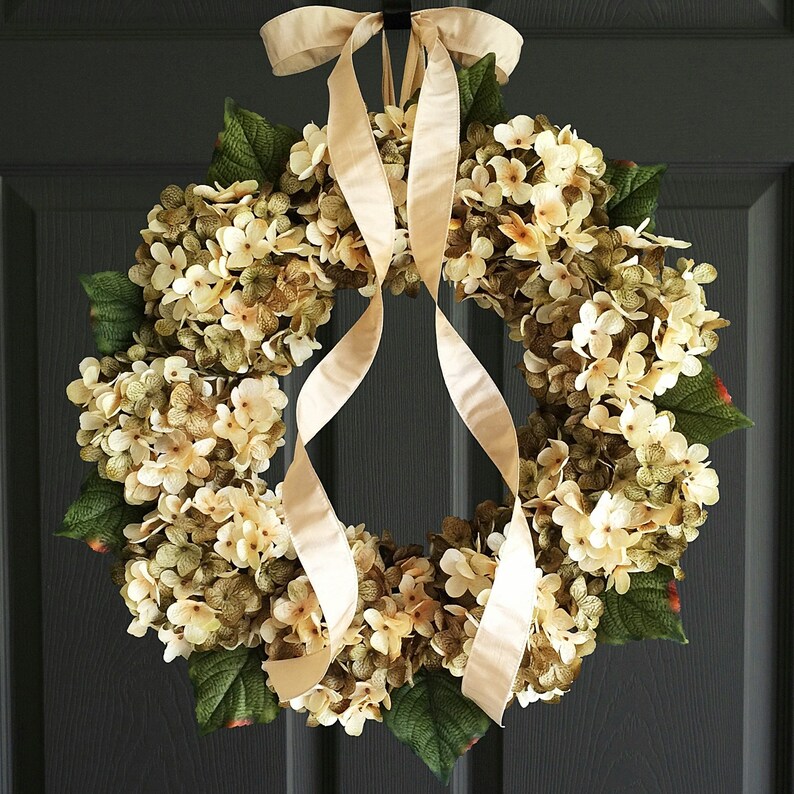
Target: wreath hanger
397, 14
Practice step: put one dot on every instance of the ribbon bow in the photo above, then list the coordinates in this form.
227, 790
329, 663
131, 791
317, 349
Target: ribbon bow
297, 41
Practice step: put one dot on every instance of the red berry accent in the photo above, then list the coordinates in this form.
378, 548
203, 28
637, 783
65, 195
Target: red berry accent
626, 163
99, 546
240, 723
471, 744
722, 391
673, 597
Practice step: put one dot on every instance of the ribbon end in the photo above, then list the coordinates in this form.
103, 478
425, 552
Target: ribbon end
292, 678
484, 702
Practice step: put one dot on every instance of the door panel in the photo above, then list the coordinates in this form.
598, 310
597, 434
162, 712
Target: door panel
103, 103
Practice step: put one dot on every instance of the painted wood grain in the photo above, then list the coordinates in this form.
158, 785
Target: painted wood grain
531, 18
689, 102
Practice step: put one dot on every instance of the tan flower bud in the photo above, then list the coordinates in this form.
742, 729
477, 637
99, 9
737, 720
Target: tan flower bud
397, 673
172, 196
710, 340
91, 454
369, 590
665, 474
486, 153
704, 273
117, 467
207, 225
692, 514
635, 493
191, 242
165, 327
651, 454
646, 477
466, 168
661, 494
205, 357
290, 183
240, 211
280, 569
136, 353
283, 224
141, 274
109, 366
363, 668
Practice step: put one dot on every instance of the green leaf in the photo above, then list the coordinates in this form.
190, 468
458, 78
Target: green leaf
230, 690
116, 309
413, 99
250, 147
100, 514
702, 407
480, 94
647, 611
435, 720
636, 192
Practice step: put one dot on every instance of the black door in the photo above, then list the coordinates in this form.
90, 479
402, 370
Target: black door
104, 103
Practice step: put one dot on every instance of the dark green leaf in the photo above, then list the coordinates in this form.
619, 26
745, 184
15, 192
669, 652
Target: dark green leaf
413, 99
435, 720
702, 407
100, 514
636, 193
648, 611
250, 147
480, 94
230, 690
116, 309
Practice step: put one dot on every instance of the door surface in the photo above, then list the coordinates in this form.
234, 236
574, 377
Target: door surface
104, 103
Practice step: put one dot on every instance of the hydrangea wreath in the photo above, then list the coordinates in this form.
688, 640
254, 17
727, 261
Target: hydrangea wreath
183, 413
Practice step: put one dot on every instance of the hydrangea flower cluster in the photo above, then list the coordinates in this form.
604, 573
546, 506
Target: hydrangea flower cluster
237, 281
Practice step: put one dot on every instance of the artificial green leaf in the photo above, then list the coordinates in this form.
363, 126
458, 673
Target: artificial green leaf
230, 690
435, 720
636, 193
647, 611
116, 309
250, 147
480, 94
413, 99
702, 407
100, 514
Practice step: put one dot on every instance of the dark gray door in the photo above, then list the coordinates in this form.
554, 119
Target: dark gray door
102, 104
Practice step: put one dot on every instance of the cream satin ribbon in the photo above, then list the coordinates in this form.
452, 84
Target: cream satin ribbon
297, 41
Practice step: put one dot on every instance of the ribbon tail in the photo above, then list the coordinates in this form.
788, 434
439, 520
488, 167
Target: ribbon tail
317, 535
501, 639
315, 532
299, 40
387, 78
414, 71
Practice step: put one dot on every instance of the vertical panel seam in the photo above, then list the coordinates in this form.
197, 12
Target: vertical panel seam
784, 716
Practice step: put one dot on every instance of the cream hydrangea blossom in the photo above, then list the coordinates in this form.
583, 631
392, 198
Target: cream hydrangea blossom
470, 267
518, 133
307, 154
510, 176
467, 571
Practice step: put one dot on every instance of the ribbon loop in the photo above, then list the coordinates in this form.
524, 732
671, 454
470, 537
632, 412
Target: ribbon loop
296, 41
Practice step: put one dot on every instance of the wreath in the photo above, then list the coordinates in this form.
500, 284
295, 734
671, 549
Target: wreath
181, 415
